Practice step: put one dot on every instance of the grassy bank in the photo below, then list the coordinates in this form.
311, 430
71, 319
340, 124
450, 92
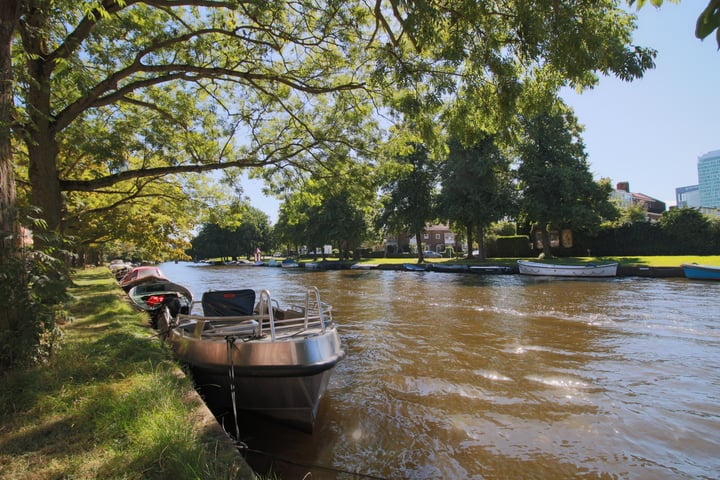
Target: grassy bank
110, 404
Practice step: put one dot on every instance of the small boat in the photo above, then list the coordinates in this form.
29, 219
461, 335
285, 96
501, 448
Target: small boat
556, 270
364, 266
414, 267
701, 272
289, 263
139, 275
324, 265
454, 268
265, 359
490, 269
151, 296
120, 268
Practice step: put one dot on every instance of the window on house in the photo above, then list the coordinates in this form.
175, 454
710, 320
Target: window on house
437, 236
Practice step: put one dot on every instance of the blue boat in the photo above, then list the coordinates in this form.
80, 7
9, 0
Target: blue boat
414, 267
701, 272
289, 263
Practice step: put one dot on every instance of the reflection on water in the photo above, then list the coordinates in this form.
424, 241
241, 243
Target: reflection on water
471, 376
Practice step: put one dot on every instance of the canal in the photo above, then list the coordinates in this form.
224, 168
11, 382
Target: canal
465, 376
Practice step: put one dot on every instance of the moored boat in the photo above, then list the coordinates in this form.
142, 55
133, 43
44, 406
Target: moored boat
414, 267
364, 266
451, 268
267, 360
120, 268
558, 270
289, 263
701, 272
151, 296
144, 274
491, 269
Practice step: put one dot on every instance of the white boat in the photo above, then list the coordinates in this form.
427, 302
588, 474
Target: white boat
267, 360
557, 270
364, 266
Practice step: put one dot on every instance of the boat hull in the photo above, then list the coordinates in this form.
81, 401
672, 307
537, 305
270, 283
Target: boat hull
555, 270
140, 275
291, 400
455, 268
701, 272
491, 269
283, 379
414, 267
141, 293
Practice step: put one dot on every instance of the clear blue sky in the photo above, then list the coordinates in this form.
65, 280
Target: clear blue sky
649, 132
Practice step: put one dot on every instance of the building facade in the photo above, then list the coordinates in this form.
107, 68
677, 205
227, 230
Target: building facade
688, 197
435, 238
624, 198
709, 179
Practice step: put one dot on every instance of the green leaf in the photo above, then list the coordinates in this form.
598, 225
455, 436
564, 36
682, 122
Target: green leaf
709, 20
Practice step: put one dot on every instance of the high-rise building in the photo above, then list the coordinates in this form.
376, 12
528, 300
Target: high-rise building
709, 179
688, 197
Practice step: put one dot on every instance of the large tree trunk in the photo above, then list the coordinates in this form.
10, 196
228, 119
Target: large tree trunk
545, 236
42, 145
468, 231
44, 180
418, 241
481, 243
9, 15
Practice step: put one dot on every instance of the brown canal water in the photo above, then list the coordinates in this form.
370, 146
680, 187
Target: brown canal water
465, 376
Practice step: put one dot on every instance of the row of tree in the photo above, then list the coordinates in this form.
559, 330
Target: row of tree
542, 178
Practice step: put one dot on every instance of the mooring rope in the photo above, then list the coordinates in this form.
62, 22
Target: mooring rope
231, 373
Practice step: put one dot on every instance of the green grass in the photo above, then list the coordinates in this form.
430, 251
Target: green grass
110, 403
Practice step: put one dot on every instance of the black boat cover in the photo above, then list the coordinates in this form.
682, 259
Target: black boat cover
227, 303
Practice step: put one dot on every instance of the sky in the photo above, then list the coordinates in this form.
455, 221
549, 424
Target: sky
648, 132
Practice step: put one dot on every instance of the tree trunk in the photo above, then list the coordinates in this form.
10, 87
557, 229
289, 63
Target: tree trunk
468, 229
546, 253
9, 16
481, 243
418, 238
42, 145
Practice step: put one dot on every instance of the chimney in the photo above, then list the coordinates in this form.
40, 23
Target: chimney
623, 187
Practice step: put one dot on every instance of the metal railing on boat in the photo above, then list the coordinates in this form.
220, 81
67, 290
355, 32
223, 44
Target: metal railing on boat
315, 314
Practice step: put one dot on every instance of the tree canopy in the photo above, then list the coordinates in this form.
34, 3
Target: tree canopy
109, 91
476, 187
556, 186
408, 194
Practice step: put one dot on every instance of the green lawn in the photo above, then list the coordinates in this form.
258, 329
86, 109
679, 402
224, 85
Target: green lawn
109, 404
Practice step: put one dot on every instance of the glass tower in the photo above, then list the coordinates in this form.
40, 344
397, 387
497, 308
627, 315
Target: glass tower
709, 179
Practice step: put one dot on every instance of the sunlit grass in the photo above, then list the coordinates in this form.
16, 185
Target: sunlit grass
110, 404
